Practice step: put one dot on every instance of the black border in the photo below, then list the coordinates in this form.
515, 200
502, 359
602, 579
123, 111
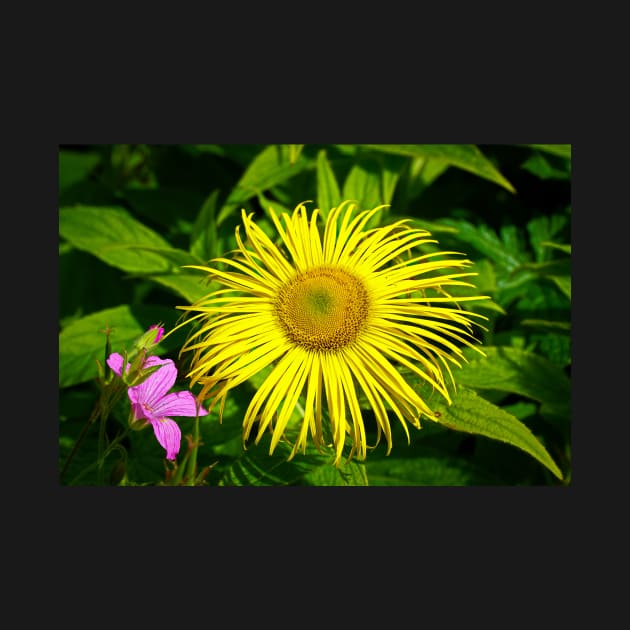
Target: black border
406, 526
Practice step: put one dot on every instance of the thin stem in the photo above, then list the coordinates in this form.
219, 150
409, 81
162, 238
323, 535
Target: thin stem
101, 447
112, 446
192, 462
80, 439
106, 400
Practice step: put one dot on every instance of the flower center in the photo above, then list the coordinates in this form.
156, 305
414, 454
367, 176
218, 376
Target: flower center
323, 308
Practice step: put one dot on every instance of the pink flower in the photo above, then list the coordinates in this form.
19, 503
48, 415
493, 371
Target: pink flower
150, 401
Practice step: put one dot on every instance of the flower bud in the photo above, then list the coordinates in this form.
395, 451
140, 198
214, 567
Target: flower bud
150, 338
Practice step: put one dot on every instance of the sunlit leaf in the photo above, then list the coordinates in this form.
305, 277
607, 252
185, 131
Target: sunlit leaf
203, 238
294, 152
363, 185
114, 236
465, 156
562, 150
485, 240
471, 413
328, 193
516, 371
563, 247
270, 167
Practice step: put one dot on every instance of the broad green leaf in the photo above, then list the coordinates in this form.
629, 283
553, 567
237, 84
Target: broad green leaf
471, 413
118, 239
363, 186
347, 474
270, 167
419, 174
562, 150
485, 240
203, 242
464, 156
294, 152
515, 371
391, 168
328, 193
82, 342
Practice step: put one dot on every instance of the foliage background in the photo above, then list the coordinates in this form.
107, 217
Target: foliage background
132, 215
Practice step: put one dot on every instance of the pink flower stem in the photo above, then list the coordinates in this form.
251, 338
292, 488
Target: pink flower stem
192, 462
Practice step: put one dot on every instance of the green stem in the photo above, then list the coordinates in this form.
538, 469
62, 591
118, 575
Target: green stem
101, 447
111, 447
80, 439
192, 461
106, 400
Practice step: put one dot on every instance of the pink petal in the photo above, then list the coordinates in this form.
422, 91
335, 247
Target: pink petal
115, 362
139, 411
178, 404
155, 360
168, 434
151, 391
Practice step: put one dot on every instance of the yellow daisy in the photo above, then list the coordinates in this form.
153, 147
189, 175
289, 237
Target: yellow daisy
333, 315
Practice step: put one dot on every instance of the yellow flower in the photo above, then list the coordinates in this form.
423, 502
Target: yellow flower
332, 315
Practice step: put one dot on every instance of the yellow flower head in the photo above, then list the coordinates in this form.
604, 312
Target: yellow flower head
332, 315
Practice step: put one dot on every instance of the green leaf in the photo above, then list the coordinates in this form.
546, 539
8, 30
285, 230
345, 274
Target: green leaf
541, 230
204, 233
82, 342
256, 467
563, 247
561, 150
515, 371
557, 271
563, 283
328, 193
347, 474
190, 286
464, 156
540, 166
438, 470
486, 241
547, 326
419, 174
270, 167
363, 186
115, 237
471, 413
294, 152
